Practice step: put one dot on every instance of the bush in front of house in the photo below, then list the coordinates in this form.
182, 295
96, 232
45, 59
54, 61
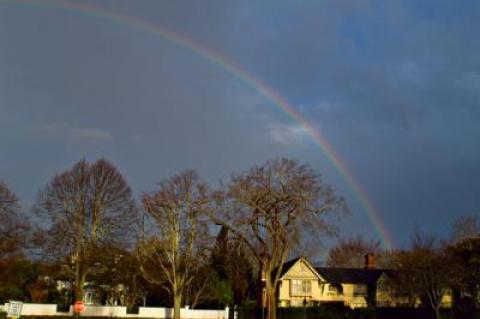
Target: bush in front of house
315, 313
338, 311
324, 311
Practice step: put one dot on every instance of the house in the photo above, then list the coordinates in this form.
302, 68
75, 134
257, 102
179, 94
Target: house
303, 284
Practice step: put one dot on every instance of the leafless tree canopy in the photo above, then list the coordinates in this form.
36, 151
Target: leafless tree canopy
8, 200
350, 252
465, 227
12, 227
271, 208
175, 254
424, 272
87, 207
466, 271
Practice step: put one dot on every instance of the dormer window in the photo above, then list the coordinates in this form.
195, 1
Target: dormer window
335, 289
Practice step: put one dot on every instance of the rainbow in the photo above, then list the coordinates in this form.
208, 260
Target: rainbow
231, 67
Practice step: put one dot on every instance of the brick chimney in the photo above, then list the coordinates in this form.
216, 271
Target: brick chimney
370, 261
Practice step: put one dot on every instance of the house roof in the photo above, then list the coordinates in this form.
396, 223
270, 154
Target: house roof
350, 275
341, 275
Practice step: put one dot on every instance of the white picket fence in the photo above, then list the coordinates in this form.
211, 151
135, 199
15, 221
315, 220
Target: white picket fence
30, 309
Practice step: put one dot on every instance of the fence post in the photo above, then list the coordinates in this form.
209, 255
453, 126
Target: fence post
226, 312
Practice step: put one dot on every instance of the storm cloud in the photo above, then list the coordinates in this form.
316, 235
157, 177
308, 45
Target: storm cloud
394, 86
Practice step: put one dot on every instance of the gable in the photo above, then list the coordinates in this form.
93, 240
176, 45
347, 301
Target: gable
301, 269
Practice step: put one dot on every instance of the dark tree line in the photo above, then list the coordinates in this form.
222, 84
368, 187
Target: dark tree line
430, 271
187, 243
13, 226
204, 245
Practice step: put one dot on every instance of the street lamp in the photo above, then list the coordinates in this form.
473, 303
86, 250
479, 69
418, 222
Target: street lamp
73, 259
264, 290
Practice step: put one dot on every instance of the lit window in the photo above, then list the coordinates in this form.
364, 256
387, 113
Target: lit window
301, 287
335, 289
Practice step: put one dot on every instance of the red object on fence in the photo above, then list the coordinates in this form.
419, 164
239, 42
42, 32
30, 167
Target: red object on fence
78, 307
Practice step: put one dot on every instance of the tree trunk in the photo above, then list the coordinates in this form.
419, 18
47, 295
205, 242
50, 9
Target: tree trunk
437, 312
79, 287
271, 300
79, 292
177, 304
260, 293
435, 301
271, 303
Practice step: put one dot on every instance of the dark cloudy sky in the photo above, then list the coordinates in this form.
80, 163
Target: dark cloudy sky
394, 86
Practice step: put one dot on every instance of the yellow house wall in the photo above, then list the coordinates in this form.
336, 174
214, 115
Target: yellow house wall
299, 271
447, 299
284, 291
318, 293
347, 296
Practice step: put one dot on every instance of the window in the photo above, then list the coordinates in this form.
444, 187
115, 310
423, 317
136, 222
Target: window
335, 289
301, 287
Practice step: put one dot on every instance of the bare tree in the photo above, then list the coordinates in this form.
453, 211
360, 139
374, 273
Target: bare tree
466, 277
201, 288
118, 275
423, 272
350, 252
465, 227
13, 227
271, 208
176, 253
88, 207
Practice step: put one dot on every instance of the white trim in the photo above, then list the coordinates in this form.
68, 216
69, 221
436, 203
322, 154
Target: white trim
312, 269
